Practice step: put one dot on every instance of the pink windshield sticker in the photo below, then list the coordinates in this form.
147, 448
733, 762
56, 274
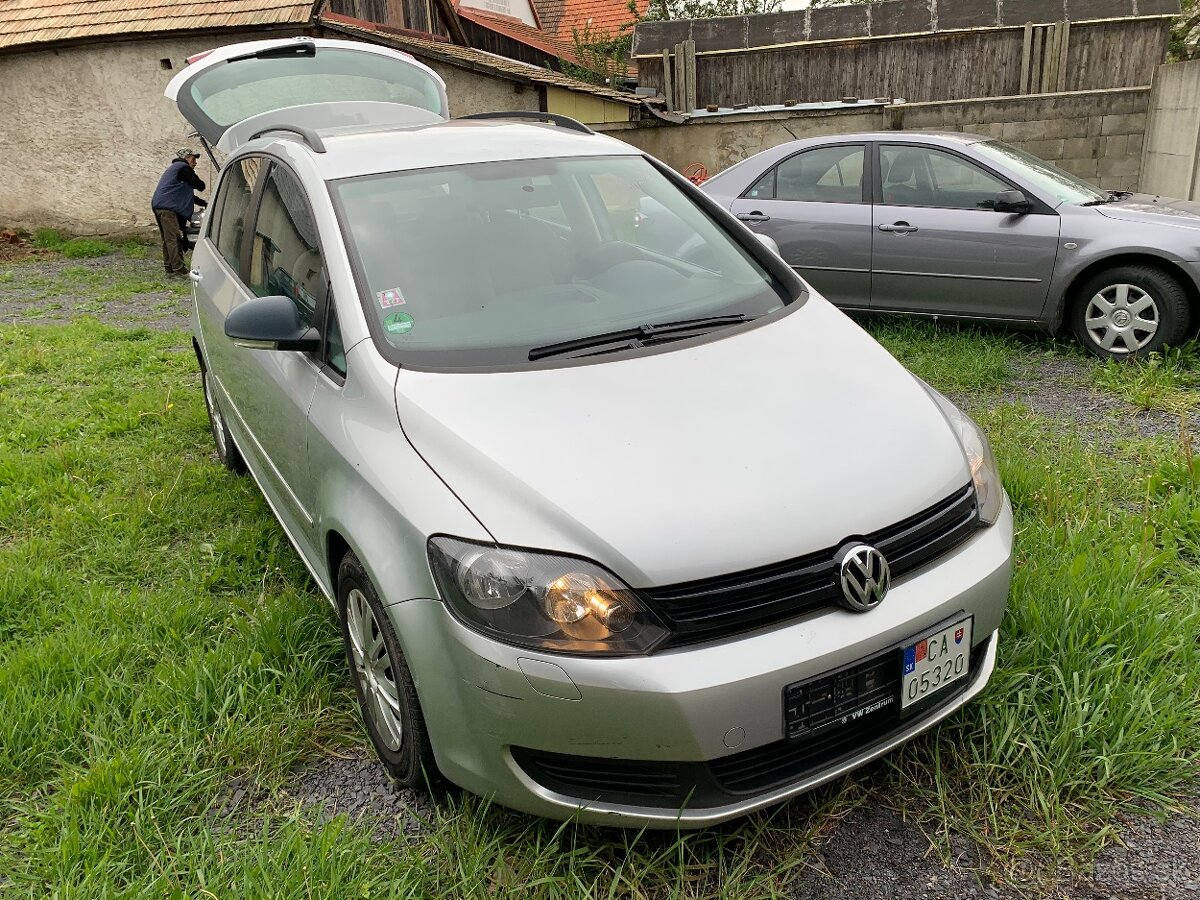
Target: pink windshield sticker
390, 298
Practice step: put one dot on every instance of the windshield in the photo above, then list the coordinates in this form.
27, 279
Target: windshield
481, 264
1049, 180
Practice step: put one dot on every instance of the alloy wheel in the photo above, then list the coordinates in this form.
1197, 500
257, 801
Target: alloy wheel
373, 668
1121, 318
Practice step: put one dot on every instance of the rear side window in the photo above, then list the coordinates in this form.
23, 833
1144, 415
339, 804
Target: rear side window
229, 224
821, 175
285, 256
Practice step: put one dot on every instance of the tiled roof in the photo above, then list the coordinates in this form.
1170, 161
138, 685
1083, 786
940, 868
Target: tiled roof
27, 22
603, 15
470, 58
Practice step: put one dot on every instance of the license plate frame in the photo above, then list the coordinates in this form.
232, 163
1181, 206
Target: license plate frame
935, 661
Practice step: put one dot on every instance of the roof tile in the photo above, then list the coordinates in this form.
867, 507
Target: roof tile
29, 22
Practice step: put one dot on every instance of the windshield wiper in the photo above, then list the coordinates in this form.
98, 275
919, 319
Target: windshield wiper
642, 335
1113, 197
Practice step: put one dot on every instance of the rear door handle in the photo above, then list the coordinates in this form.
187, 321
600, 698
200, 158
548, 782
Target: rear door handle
753, 217
899, 228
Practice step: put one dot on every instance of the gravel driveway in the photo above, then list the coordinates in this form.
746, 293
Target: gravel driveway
872, 853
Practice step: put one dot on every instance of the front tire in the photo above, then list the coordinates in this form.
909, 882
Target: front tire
1130, 311
382, 680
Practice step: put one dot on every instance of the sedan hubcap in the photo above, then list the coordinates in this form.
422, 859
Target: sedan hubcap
373, 668
1121, 318
214, 414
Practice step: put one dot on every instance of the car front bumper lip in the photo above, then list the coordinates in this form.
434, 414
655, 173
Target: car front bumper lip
600, 813
694, 705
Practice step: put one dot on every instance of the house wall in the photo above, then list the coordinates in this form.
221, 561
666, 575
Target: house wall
470, 92
1097, 135
86, 131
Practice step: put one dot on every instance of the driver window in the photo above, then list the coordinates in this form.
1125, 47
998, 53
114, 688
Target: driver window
285, 257
922, 176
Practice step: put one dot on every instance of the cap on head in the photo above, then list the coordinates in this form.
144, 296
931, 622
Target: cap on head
185, 152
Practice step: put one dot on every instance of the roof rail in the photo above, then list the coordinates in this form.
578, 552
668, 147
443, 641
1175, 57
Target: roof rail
554, 118
310, 136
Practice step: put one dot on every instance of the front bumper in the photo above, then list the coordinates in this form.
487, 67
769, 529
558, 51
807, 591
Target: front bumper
491, 708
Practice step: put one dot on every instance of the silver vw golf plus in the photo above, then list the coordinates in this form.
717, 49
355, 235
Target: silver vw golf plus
621, 519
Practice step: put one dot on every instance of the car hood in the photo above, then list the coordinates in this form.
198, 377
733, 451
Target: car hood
758, 447
1154, 211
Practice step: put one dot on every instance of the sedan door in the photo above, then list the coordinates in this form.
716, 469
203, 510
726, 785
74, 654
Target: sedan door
815, 207
940, 247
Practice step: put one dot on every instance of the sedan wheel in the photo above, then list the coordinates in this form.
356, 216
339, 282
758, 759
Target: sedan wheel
1130, 311
382, 681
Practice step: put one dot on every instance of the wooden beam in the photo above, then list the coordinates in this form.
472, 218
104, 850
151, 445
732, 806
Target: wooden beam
1064, 39
1026, 50
1035, 62
668, 83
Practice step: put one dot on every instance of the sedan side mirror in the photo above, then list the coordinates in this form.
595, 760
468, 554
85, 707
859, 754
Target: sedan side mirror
767, 241
270, 323
1011, 202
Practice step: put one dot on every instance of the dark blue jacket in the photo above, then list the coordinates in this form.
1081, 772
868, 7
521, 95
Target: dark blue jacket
175, 189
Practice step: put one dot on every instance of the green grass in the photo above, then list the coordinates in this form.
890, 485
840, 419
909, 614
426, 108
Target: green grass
72, 248
159, 638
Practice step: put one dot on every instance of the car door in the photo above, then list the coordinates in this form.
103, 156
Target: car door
269, 391
815, 206
940, 247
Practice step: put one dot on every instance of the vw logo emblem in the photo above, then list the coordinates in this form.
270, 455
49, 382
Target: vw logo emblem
864, 577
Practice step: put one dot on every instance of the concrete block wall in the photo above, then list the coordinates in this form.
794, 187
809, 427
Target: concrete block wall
1172, 152
1097, 135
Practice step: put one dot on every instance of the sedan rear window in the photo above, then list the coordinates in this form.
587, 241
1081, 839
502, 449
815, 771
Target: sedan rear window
479, 264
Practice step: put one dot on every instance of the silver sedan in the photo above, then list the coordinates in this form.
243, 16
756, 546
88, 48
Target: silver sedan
962, 226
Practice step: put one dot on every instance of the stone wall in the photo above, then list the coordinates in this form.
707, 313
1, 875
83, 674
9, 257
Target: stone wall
1097, 135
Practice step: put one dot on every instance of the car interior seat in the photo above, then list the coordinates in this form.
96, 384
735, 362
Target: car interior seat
907, 183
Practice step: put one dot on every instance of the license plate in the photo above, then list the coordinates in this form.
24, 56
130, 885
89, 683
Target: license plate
935, 662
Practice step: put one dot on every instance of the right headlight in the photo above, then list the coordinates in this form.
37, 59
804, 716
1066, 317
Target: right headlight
989, 492
542, 600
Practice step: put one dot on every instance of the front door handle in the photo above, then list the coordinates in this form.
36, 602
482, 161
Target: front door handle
195, 276
899, 228
753, 217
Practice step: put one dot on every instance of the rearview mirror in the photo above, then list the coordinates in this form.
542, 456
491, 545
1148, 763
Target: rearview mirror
270, 323
1011, 202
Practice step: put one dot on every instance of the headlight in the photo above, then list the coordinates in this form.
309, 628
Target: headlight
989, 492
540, 600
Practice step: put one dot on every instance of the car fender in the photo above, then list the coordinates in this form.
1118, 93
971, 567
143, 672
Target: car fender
1088, 255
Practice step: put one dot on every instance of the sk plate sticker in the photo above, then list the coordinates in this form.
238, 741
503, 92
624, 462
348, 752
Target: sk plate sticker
398, 323
389, 298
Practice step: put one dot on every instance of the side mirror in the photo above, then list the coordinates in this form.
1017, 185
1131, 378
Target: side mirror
270, 323
1011, 202
767, 241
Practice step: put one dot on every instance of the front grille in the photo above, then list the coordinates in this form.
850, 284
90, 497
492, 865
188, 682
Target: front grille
698, 785
726, 605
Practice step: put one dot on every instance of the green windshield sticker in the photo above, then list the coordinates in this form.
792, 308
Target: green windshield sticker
398, 323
